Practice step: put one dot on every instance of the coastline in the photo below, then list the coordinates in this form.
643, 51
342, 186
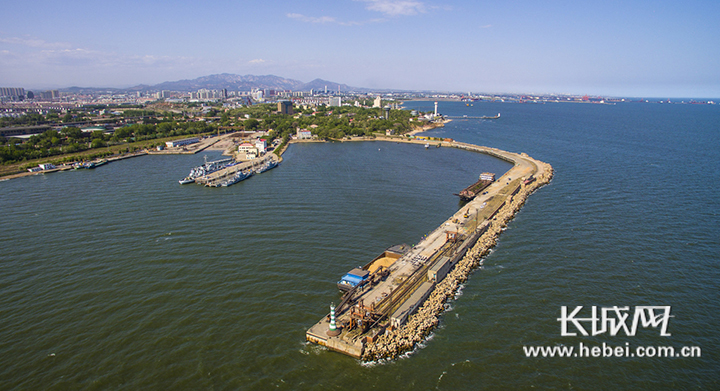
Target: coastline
429, 126
221, 143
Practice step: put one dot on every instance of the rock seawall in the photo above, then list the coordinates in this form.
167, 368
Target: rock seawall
398, 341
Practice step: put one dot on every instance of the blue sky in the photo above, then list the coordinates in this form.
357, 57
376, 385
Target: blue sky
622, 48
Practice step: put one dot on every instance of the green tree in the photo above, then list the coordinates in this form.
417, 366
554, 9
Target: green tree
165, 127
97, 143
48, 134
251, 124
72, 132
123, 132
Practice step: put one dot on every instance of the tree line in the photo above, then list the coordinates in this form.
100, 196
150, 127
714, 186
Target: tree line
72, 139
324, 122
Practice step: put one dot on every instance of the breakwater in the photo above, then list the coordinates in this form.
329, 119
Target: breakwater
390, 313
400, 340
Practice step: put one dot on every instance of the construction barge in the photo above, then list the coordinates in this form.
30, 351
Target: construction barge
380, 297
470, 192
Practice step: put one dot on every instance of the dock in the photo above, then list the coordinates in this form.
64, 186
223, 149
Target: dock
214, 179
371, 313
473, 116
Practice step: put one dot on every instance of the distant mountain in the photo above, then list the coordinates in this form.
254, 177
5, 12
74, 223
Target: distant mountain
320, 84
91, 90
245, 83
231, 82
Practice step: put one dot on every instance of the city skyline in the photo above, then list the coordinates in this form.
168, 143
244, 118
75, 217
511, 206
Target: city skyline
653, 49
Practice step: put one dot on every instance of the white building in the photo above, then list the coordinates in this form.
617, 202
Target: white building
304, 134
247, 151
246, 147
377, 102
487, 176
179, 143
261, 146
335, 101
257, 94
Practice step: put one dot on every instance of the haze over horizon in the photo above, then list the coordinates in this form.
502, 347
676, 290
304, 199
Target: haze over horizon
640, 48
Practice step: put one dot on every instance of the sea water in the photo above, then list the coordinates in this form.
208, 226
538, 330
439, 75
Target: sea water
119, 277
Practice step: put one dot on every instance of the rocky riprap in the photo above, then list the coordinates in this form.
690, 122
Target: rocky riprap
396, 342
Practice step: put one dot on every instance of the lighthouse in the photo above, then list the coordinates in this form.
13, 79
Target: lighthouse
436, 109
333, 330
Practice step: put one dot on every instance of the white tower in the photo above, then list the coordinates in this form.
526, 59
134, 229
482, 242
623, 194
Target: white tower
436, 109
333, 330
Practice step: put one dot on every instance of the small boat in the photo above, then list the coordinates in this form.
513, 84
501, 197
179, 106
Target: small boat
239, 176
95, 163
488, 117
187, 181
427, 145
269, 165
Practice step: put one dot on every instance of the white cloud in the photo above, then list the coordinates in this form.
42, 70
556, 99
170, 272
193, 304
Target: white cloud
312, 19
34, 42
487, 26
40, 67
256, 61
396, 7
330, 19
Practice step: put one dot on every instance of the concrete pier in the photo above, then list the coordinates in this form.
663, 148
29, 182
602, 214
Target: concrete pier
388, 316
213, 179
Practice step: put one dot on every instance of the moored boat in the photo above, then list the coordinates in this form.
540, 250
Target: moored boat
95, 163
208, 168
269, 165
468, 193
239, 176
